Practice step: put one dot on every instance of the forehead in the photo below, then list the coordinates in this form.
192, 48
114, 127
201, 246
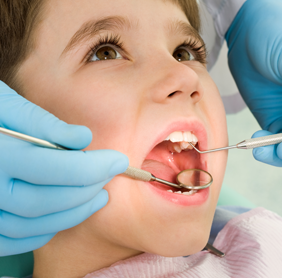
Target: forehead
71, 12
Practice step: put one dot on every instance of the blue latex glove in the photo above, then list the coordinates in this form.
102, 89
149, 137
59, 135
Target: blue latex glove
43, 191
255, 60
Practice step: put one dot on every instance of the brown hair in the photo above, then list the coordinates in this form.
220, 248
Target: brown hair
18, 22
191, 10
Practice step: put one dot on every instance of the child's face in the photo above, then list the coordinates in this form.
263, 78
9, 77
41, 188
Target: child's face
131, 104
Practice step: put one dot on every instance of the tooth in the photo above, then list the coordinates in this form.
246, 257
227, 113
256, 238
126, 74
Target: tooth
184, 145
189, 148
166, 139
178, 192
187, 136
169, 191
170, 148
176, 136
189, 192
177, 148
195, 139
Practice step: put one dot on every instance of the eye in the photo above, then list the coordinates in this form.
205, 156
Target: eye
182, 54
105, 53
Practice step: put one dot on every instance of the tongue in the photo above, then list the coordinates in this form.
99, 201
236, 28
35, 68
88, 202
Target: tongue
159, 170
164, 164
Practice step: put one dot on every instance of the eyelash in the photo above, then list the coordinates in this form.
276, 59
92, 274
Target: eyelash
112, 39
197, 47
191, 44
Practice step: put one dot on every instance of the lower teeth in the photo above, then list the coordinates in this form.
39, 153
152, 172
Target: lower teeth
184, 193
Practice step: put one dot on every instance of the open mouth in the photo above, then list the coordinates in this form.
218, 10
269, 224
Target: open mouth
172, 156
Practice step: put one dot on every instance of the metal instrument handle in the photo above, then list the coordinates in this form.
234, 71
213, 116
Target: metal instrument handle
260, 141
138, 174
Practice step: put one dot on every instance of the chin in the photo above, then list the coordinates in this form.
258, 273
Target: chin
184, 246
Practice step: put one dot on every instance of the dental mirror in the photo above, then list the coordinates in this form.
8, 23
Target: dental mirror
194, 179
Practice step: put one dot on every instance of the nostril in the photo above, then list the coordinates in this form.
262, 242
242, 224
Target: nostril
195, 94
174, 93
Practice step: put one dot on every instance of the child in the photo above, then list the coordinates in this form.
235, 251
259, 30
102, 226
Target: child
134, 72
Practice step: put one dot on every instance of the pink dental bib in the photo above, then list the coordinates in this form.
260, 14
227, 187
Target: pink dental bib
251, 241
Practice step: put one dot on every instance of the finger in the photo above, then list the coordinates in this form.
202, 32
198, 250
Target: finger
30, 200
267, 154
37, 165
14, 226
21, 115
261, 133
11, 246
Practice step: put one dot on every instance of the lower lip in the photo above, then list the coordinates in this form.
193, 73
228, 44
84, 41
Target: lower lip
195, 199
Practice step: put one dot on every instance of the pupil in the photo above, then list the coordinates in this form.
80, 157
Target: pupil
106, 53
181, 55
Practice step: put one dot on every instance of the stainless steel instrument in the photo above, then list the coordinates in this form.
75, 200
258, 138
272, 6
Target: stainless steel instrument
249, 143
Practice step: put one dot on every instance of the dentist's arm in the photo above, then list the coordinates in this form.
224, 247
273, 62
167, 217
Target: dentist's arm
43, 191
255, 59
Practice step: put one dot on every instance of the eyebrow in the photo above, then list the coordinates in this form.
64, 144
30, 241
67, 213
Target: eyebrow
183, 28
111, 23
93, 27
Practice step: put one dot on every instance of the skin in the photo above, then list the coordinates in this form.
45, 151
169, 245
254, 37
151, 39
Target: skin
125, 102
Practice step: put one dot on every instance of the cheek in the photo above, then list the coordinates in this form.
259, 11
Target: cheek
218, 136
105, 109
216, 115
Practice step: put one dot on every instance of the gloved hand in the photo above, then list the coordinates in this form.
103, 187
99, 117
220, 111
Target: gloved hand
43, 191
269, 154
255, 60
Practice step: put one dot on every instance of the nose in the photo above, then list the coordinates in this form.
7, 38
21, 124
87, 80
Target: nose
176, 81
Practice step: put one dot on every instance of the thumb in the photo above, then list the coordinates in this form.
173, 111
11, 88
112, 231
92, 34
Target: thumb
267, 154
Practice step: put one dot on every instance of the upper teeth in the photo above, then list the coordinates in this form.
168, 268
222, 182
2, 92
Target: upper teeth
180, 141
182, 136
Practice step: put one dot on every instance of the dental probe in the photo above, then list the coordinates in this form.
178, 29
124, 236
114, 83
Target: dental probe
30, 139
132, 172
249, 143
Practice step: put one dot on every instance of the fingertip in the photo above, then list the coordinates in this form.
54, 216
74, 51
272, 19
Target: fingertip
107, 163
120, 164
99, 201
259, 153
268, 155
